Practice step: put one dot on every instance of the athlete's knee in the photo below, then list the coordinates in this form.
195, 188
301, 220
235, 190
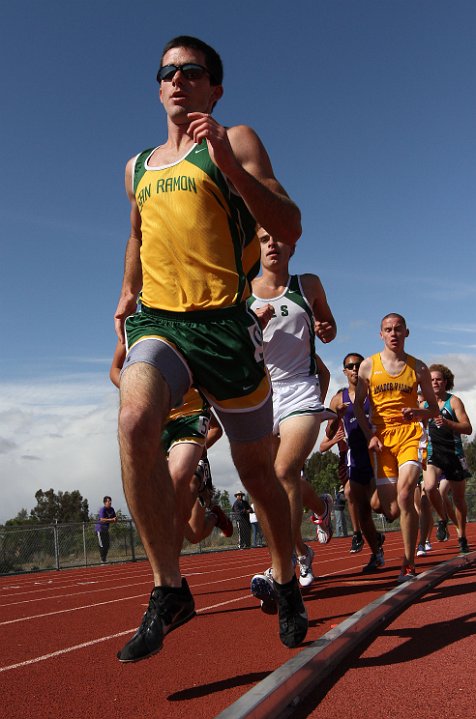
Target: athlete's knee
253, 459
288, 474
138, 424
406, 496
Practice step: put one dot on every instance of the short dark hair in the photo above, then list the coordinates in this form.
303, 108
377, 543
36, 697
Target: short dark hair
212, 58
352, 354
107, 497
448, 375
393, 314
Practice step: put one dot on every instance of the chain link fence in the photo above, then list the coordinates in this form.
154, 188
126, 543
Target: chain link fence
61, 546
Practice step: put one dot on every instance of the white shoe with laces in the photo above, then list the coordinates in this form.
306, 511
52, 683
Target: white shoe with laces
306, 576
262, 587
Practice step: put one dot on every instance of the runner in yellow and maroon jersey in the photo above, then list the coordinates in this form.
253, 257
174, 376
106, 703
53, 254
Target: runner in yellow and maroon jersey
395, 433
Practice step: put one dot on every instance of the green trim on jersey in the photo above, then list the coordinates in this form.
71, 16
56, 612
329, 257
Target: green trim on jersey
139, 166
241, 223
296, 295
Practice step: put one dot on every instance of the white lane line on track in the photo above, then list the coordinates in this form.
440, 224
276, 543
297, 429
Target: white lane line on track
84, 645
123, 586
66, 611
74, 594
115, 578
99, 604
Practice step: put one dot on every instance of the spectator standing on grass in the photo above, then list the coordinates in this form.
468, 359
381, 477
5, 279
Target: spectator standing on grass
242, 510
106, 516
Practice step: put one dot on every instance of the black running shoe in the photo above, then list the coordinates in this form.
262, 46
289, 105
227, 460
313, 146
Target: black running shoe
463, 545
357, 543
168, 609
293, 621
375, 562
441, 533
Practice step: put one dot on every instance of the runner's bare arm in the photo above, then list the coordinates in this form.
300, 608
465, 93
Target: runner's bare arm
463, 423
132, 280
117, 362
215, 431
324, 377
241, 156
339, 407
264, 314
424, 380
325, 325
361, 392
337, 438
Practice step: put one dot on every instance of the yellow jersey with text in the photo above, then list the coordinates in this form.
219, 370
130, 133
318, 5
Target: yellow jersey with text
389, 394
199, 245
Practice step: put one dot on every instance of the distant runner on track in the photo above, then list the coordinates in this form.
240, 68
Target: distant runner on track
293, 310
359, 466
445, 450
396, 436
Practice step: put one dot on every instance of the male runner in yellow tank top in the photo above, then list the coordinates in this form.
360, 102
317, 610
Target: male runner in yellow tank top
195, 202
395, 435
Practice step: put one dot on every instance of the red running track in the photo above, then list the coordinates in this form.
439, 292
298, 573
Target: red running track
60, 632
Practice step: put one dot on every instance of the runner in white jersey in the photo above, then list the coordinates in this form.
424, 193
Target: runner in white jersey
293, 310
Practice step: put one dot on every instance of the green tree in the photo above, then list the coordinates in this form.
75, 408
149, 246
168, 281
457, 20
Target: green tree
470, 454
222, 498
62, 507
21, 518
321, 471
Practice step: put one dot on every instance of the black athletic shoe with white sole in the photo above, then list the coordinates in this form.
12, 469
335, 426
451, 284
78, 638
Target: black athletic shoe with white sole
169, 608
293, 620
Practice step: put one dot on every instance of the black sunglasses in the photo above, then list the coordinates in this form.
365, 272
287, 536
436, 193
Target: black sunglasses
190, 70
352, 365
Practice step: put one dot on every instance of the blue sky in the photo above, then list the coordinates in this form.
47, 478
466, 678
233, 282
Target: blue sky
367, 109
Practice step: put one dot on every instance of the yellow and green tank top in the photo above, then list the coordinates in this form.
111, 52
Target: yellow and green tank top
389, 394
199, 246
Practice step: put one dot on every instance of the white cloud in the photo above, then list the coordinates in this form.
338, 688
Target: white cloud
60, 435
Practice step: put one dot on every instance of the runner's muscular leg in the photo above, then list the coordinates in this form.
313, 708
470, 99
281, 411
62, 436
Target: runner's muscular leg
387, 498
407, 478
310, 498
254, 462
149, 491
361, 494
298, 436
461, 508
352, 506
448, 508
183, 460
431, 476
